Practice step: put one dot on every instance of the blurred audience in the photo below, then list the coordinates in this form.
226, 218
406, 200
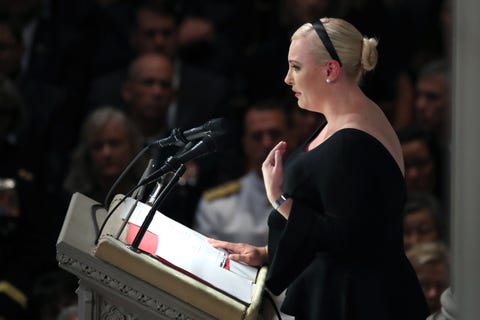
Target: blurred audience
48, 129
430, 22
69, 313
53, 293
16, 179
432, 102
209, 36
152, 30
432, 265
449, 308
200, 94
304, 123
155, 28
49, 43
423, 221
422, 170
52, 75
11, 50
446, 26
25, 223
432, 111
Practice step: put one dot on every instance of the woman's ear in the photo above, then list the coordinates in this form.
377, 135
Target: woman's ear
333, 70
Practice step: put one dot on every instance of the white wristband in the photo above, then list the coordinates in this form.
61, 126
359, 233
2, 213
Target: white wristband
280, 201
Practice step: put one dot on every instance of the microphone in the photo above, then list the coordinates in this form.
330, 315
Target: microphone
206, 145
216, 127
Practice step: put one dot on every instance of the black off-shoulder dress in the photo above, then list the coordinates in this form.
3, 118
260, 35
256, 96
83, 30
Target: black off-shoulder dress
340, 253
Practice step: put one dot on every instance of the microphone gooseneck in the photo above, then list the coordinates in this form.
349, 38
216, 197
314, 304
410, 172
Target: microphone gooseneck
205, 146
180, 138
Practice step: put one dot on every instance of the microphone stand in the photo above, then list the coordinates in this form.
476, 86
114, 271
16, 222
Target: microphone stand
148, 219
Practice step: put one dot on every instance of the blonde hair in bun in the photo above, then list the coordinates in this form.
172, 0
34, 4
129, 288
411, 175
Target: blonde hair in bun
369, 54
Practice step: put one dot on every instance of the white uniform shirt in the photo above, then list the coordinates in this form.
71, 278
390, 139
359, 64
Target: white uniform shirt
237, 214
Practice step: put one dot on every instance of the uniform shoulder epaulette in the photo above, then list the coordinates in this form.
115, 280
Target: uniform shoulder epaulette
223, 190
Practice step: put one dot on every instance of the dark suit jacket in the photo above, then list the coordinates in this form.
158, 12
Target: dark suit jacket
202, 95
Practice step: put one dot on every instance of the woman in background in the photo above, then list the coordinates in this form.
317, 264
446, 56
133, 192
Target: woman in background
108, 142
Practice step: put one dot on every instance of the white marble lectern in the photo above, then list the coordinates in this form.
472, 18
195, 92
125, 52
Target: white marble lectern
118, 283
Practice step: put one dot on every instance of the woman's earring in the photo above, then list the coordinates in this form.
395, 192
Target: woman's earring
328, 80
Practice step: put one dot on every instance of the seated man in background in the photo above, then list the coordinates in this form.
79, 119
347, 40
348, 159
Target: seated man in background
237, 210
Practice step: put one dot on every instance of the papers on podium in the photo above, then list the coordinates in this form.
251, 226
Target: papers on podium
189, 251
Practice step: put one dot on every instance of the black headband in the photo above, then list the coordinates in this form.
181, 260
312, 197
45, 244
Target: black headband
323, 35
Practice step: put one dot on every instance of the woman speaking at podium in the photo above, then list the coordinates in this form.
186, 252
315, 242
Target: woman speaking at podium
335, 234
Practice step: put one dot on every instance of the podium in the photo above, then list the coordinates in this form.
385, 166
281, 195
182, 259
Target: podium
116, 282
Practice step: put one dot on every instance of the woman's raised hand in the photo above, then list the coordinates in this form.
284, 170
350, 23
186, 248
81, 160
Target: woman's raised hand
272, 170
